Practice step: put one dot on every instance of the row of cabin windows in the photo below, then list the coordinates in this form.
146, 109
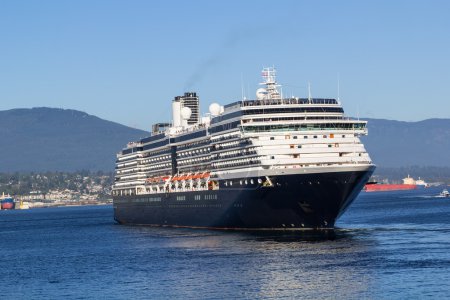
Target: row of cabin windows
300, 146
287, 137
298, 155
242, 182
156, 153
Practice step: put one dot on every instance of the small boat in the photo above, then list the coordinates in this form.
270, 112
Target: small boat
444, 193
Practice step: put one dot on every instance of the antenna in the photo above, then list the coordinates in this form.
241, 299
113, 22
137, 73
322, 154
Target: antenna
242, 87
338, 88
309, 91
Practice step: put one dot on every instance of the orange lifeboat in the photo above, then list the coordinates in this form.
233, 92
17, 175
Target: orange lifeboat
152, 179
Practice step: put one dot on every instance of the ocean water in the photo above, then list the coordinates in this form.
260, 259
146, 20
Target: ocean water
388, 245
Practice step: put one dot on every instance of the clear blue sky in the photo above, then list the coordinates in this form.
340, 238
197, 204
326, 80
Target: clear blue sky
124, 61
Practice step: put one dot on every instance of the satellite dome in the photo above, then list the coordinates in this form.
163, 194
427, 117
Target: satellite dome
214, 109
261, 93
186, 113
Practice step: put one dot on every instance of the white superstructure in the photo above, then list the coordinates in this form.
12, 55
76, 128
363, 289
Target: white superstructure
268, 136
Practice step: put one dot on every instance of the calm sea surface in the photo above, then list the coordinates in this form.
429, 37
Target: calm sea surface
388, 245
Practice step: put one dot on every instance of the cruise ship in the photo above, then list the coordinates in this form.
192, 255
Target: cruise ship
272, 163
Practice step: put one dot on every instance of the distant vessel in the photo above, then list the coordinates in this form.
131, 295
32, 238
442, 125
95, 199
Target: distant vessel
24, 205
269, 163
421, 183
7, 202
375, 187
408, 184
444, 193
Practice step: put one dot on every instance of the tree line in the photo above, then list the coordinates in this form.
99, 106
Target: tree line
83, 181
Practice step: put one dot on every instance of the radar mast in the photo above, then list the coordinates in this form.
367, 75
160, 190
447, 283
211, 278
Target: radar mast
270, 92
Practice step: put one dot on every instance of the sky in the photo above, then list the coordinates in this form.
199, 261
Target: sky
124, 61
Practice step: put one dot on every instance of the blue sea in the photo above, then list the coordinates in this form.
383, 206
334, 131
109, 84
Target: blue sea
388, 245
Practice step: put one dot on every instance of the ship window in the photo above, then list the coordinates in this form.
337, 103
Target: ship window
287, 137
295, 155
315, 136
295, 137
324, 136
299, 146
272, 157
272, 138
305, 137
240, 182
251, 181
291, 146
329, 146
343, 135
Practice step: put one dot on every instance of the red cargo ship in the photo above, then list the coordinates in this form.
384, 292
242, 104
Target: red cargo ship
408, 184
374, 187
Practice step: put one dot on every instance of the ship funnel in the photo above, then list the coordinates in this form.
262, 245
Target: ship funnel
176, 113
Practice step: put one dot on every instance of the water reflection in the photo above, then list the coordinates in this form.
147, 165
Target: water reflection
294, 236
209, 264
312, 264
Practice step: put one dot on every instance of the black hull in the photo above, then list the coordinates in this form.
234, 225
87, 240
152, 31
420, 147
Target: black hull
294, 202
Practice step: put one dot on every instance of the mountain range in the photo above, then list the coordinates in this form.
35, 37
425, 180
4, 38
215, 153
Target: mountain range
51, 139
400, 144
